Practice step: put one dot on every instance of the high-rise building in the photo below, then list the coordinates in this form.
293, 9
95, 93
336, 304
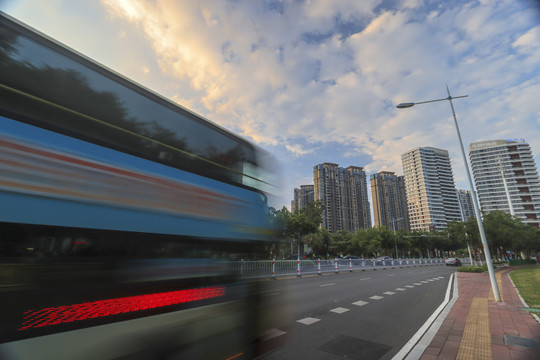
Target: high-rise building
521, 193
302, 197
431, 192
467, 207
343, 192
389, 201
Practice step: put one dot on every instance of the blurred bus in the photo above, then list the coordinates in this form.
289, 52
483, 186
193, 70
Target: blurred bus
121, 213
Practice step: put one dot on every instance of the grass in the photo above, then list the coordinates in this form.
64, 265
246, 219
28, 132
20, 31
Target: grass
527, 281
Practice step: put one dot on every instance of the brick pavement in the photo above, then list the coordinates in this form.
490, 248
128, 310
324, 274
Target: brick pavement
477, 327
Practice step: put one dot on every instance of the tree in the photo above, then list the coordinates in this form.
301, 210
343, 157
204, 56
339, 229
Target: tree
299, 224
340, 242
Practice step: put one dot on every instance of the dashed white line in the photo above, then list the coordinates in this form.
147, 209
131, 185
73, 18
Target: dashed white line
339, 310
308, 321
417, 284
377, 297
409, 286
424, 282
328, 284
400, 289
272, 333
360, 303
365, 279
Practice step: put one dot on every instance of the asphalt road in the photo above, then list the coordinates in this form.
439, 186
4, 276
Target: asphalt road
358, 315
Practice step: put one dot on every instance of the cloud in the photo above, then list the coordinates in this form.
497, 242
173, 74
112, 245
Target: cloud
317, 81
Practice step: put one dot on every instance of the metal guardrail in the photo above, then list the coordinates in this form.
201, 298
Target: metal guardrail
279, 268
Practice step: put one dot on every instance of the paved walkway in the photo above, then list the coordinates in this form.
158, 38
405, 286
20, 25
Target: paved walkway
479, 328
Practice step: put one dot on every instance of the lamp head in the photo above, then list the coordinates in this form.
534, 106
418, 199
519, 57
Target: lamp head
405, 105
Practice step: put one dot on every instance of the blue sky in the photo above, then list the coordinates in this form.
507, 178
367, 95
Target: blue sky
317, 81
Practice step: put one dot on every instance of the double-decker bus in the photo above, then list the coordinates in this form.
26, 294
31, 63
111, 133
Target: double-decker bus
120, 214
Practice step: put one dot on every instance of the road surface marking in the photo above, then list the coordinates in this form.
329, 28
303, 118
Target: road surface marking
409, 286
377, 297
339, 310
430, 280
389, 293
392, 275
400, 289
360, 303
424, 282
417, 284
365, 278
272, 294
272, 333
308, 321
328, 284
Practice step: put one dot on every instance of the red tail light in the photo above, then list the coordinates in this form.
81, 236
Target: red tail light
100, 308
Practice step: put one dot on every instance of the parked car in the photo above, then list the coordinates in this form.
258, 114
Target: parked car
383, 260
453, 262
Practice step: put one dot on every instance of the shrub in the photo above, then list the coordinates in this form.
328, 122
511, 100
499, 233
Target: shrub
473, 269
522, 261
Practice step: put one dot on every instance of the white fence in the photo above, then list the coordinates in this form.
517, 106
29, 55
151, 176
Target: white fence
276, 268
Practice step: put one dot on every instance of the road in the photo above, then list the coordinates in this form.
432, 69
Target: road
359, 315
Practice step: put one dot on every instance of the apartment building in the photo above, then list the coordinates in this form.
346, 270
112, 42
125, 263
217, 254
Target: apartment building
506, 178
301, 197
389, 201
432, 199
466, 204
343, 192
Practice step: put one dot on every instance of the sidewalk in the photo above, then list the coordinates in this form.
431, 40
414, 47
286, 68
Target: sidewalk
478, 327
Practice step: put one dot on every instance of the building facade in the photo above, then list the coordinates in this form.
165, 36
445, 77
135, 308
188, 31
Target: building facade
432, 199
389, 201
343, 192
466, 204
506, 178
301, 197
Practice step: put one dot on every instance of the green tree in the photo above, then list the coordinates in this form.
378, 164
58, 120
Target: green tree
501, 229
301, 223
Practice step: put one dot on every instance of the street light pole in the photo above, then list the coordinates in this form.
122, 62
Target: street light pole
394, 228
508, 198
487, 253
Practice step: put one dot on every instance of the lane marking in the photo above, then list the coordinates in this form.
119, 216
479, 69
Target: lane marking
328, 284
389, 293
415, 347
339, 310
272, 333
424, 282
417, 284
377, 297
272, 294
409, 286
360, 303
308, 321
392, 275
400, 289
365, 279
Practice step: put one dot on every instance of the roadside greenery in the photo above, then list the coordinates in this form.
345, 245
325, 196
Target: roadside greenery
473, 269
527, 281
301, 230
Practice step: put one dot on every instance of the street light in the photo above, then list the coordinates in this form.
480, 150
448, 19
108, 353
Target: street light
474, 198
394, 228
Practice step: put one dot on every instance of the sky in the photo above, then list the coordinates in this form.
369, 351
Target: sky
316, 81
